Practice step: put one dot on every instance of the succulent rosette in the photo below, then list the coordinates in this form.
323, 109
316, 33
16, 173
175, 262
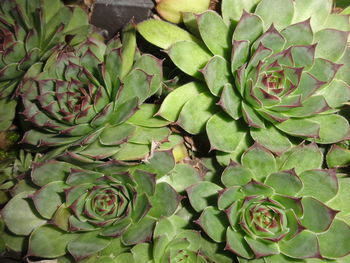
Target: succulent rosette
80, 211
89, 100
173, 243
30, 30
271, 74
281, 209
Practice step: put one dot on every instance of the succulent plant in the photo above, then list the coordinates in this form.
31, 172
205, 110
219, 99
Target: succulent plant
30, 30
172, 10
259, 72
89, 100
277, 209
13, 170
82, 210
173, 243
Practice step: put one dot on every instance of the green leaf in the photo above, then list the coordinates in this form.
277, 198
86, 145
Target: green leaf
233, 9
131, 151
254, 188
251, 117
236, 175
317, 216
335, 242
311, 106
214, 223
285, 182
19, 215
272, 139
145, 117
116, 134
336, 94
87, 244
140, 232
196, 112
300, 127
301, 158
214, 32
49, 171
262, 248
320, 184
236, 243
240, 54
163, 34
230, 102
128, 49
298, 34
340, 201
304, 245
328, 125
331, 50
338, 156
164, 202
136, 85
318, 10
48, 198
182, 176
49, 242
229, 196
8, 109
203, 194
173, 103
282, 15
230, 135
192, 64
216, 74
260, 161
249, 28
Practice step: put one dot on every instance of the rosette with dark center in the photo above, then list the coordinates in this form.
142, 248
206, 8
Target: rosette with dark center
30, 31
260, 73
82, 211
89, 102
270, 213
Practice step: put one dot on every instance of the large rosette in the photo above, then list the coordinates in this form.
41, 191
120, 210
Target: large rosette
269, 74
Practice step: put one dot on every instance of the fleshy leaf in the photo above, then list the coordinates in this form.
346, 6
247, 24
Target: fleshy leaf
285, 182
236, 174
191, 65
233, 9
164, 201
304, 245
236, 243
19, 215
216, 74
202, 195
260, 161
214, 32
283, 15
301, 158
230, 136
338, 156
328, 125
163, 34
49, 242
320, 184
173, 103
272, 139
213, 222
335, 242
317, 216
87, 244
196, 112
